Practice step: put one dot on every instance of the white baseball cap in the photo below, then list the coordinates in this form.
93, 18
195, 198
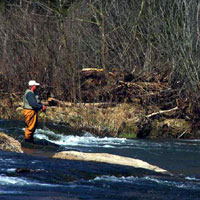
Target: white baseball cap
33, 82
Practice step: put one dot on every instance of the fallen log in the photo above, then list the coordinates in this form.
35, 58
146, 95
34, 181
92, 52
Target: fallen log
56, 102
92, 71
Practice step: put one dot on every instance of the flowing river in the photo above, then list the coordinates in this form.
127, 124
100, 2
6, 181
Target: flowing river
31, 176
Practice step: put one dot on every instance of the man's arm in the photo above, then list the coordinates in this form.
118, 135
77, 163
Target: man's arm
33, 102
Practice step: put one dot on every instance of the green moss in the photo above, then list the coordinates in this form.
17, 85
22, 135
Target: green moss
128, 135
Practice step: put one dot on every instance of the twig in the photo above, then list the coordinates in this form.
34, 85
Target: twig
182, 134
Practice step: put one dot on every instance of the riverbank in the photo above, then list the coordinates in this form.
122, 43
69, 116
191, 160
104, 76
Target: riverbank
127, 120
123, 105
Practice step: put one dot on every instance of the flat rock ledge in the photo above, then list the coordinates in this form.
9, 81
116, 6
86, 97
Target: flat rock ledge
108, 158
8, 143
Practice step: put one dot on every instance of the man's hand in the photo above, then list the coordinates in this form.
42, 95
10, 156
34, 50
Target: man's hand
44, 108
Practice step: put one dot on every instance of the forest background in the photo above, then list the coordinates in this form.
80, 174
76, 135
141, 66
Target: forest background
53, 40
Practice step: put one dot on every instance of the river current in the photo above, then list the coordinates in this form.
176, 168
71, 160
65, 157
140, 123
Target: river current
37, 177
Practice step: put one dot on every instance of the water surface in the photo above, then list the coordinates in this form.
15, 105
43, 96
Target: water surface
45, 178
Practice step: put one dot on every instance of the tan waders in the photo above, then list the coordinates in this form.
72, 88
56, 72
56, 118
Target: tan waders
31, 118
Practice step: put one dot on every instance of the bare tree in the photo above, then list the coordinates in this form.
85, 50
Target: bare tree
53, 43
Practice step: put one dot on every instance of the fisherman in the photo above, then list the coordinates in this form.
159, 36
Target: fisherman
31, 105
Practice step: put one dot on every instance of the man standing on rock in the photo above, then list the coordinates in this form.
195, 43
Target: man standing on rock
31, 106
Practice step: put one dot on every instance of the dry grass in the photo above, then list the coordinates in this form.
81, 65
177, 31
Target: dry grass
104, 121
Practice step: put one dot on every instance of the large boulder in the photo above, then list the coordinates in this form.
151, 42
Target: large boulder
8, 143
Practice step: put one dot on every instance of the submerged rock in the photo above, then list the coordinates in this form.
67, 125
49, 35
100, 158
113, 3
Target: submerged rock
108, 158
8, 143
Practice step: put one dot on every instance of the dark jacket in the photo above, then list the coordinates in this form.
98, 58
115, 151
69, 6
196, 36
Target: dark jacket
30, 101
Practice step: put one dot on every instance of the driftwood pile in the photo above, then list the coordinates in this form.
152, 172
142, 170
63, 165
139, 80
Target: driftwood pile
149, 90
97, 86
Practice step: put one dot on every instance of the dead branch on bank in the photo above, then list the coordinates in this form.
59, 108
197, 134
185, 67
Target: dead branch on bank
161, 112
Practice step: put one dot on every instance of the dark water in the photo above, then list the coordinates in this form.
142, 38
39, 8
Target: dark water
36, 177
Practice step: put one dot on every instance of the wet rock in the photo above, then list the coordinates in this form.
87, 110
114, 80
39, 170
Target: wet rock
8, 143
25, 170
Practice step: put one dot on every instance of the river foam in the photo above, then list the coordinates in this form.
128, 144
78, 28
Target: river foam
147, 180
6, 180
87, 140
